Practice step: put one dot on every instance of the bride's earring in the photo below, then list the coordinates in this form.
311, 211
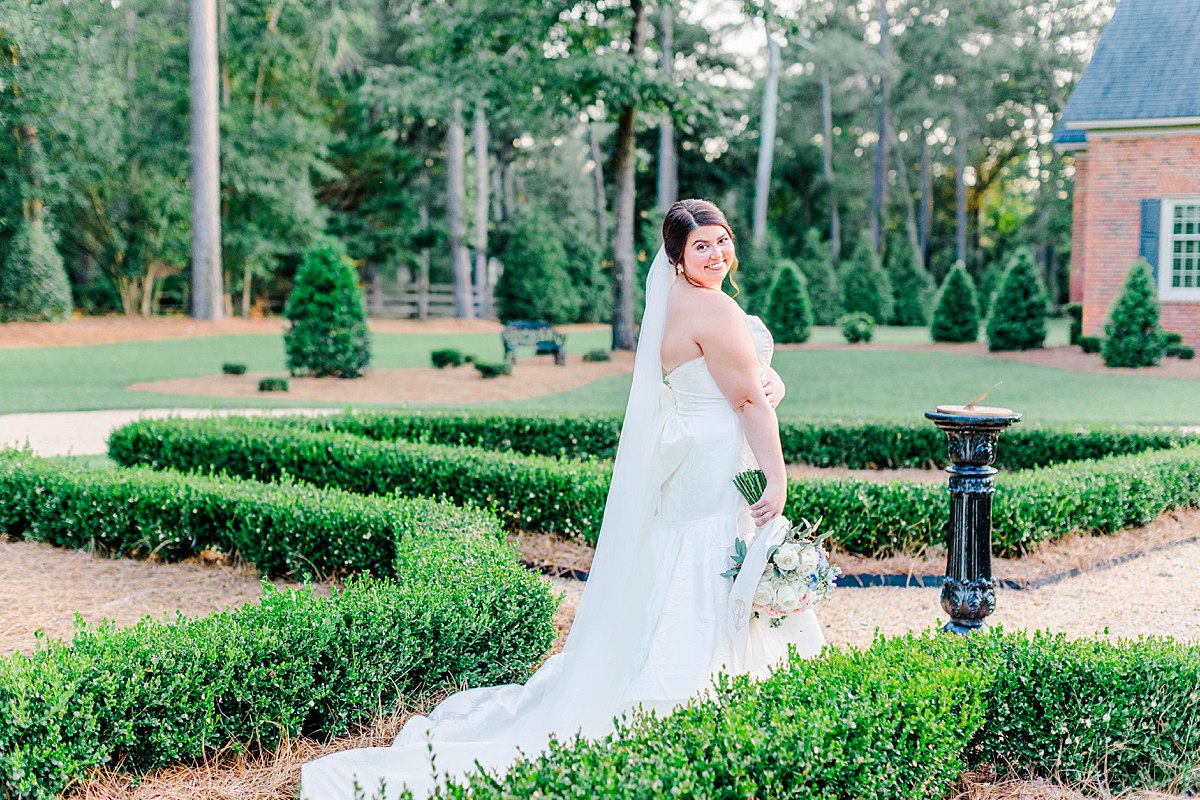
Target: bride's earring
679, 269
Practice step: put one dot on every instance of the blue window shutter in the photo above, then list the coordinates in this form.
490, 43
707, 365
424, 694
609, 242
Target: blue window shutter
1151, 215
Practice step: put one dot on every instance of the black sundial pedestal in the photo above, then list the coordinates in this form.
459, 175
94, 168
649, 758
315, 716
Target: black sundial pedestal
969, 590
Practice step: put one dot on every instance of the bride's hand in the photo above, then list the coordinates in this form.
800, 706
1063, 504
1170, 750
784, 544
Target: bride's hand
770, 505
773, 387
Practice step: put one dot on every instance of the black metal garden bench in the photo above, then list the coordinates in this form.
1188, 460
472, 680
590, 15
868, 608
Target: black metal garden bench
532, 333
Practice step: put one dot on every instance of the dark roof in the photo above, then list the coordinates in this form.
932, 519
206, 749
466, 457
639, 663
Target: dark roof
1145, 67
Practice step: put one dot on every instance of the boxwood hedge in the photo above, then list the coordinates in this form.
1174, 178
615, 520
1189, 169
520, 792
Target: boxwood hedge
566, 496
460, 611
856, 444
530, 493
283, 529
901, 719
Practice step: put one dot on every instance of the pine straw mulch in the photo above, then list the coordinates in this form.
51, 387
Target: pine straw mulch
247, 775
532, 377
83, 330
256, 775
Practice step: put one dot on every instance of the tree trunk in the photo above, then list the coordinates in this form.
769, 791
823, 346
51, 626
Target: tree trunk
878, 221
510, 193
423, 267
835, 220
910, 210
497, 193
247, 283
668, 165
207, 285
960, 187
766, 142
479, 135
624, 262
598, 176
456, 156
926, 218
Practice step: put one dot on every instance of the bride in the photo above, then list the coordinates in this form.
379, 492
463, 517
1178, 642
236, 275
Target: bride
656, 621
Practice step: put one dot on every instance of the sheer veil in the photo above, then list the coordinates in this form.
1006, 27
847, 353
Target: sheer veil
583, 688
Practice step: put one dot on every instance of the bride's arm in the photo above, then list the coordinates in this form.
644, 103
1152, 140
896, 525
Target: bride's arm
733, 362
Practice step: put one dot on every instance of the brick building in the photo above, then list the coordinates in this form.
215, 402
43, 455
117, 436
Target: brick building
1133, 127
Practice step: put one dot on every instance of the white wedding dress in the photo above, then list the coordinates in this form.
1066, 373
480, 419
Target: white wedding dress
654, 624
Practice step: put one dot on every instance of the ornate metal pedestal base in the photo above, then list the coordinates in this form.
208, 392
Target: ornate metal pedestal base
969, 592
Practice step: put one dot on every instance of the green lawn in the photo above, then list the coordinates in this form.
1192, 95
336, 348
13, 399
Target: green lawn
821, 383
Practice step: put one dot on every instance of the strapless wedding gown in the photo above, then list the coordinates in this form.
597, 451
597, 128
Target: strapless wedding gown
699, 514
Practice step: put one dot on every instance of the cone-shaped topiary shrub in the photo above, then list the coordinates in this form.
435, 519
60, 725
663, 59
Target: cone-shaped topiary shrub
816, 264
33, 281
328, 335
912, 288
1017, 320
1135, 338
535, 284
789, 313
956, 316
865, 286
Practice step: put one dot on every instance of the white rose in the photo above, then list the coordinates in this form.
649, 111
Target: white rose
809, 560
786, 597
787, 557
764, 594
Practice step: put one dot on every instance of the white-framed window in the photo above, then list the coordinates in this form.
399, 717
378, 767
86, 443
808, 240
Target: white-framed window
1179, 249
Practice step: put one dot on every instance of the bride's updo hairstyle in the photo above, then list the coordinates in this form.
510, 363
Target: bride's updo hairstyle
685, 216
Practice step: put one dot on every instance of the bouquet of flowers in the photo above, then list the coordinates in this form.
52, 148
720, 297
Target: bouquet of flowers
798, 574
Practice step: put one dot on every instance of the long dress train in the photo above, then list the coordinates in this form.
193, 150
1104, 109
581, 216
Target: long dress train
682, 630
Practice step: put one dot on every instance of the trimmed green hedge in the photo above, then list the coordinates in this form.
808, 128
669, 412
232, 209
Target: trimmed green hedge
567, 497
902, 719
530, 493
1099, 497
285, 529
461, 611
834, 443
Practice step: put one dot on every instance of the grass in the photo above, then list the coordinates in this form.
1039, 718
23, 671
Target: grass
821, 383
91, 377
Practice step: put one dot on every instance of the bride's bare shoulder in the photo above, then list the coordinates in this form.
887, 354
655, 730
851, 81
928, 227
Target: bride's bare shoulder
718, 309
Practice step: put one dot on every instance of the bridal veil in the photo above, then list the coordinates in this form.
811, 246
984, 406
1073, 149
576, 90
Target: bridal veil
583, 688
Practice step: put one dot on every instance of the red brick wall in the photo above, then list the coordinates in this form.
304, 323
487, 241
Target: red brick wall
1117, 175
1078, 240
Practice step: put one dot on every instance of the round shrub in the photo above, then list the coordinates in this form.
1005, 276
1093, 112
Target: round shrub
857, 327
328, 335
33, 281
789, 313
1135, 338
865, 286
1172, 337
912, 288
1017, 320
448, 357
824, 294
493, 370
956, 316
597, 355
273, 385
1091, 344
230, 368
535, 283
1183, 352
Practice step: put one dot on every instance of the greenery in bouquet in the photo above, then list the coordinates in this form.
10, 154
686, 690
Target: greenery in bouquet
798, 574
